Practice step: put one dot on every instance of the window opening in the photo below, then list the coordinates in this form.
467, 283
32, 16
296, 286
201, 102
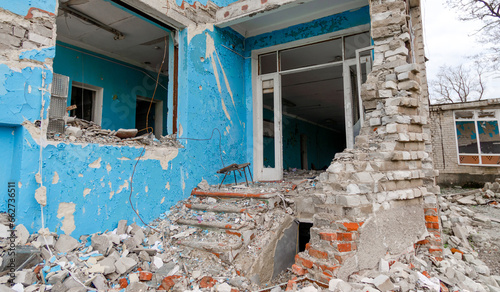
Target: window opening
478, 137
84, 100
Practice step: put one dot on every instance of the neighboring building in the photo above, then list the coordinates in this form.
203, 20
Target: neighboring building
288, 83
466, 142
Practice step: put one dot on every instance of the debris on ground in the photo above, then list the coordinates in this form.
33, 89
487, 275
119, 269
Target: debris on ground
207, 243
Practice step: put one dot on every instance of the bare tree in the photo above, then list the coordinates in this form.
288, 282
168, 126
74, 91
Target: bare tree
488, 12
458, 84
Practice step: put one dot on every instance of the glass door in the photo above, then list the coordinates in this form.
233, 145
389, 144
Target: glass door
269, 159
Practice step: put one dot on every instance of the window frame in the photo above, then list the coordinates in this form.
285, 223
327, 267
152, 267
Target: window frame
97, 102
475, 119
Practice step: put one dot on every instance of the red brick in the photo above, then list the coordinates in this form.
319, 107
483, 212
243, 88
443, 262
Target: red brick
443, 287
308, 246
423, 242
145, 276
351, 226
435, 250
432, 225
346, 236
329, 236
344, 247
233, 233
432, 219
264, 2
235, 290
326, 268
290, 284
454, 250
168, 282
318, 254
298, 270
123, 283
303, 262
244, 7
206, 282
425, 273
226, 14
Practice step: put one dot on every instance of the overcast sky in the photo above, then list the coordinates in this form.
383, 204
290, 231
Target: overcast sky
448, 41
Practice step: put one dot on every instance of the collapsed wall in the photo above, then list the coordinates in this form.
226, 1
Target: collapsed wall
379, 198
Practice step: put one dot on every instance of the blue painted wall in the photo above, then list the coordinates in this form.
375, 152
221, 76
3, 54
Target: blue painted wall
220, 3
121, 83
215, 92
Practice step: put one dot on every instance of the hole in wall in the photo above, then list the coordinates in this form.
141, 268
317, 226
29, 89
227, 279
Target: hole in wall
304, 235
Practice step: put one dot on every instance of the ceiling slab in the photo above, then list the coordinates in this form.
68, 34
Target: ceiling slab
143, 45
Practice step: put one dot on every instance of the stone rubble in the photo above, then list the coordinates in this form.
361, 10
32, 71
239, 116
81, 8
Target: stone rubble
172, 256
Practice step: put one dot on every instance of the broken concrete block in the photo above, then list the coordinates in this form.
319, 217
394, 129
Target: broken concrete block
122, 227
66, 243
383, 283
224, 287
99, 283
73, 131
126, 133
109, 265
101, 243
22, 235
339, 285
137, 287
124, 264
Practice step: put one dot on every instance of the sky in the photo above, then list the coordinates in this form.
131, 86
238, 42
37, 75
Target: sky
448, 41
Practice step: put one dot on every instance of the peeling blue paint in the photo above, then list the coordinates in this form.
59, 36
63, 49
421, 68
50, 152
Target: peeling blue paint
215, 92
22, 7
220, 3
39, 55
317, 27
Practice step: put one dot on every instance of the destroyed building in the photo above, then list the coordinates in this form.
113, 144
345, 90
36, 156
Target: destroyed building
281, 84
465, 142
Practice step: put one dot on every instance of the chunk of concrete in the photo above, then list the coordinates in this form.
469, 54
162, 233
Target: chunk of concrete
109, 265
122, 227
66, 243
383, 283
224, 287
124, 264
137, 287
22, 235
101, 243
73, 131
99, 283
126, 133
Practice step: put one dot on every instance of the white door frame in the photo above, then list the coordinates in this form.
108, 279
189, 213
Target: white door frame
258, 158
261, 172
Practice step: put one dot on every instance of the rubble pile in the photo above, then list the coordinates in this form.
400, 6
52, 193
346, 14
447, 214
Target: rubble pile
213, 244
82, 131
199, 244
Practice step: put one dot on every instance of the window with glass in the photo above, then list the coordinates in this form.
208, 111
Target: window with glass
478, 138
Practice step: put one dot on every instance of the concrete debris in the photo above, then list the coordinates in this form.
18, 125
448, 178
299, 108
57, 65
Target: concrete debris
170, 255
82, 131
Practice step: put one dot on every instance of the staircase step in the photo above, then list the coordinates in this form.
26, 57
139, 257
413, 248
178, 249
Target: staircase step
199, 193
217, 225
225, 209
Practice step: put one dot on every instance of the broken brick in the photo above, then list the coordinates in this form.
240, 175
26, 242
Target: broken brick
207, 282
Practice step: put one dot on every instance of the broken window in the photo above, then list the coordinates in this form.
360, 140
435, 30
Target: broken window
84, 100
478, 137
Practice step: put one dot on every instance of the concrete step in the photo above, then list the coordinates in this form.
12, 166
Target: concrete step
226, 209
199, 193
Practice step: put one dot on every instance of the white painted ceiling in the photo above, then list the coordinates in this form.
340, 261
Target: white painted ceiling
305, 11
143, 45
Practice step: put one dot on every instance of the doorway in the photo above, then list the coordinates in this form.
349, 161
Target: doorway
307, 103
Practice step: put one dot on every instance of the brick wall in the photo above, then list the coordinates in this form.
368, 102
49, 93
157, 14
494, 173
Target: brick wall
445, 152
